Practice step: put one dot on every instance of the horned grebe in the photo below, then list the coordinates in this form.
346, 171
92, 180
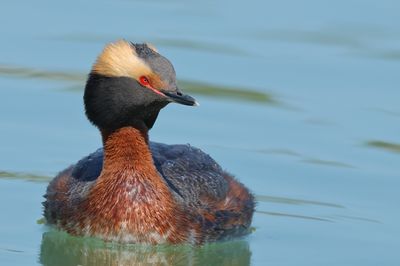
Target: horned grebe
133, 190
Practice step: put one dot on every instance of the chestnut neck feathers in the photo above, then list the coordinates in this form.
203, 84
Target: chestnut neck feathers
127, 148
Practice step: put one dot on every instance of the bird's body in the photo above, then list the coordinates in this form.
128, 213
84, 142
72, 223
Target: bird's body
136, 191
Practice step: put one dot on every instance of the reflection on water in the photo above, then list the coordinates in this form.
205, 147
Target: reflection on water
59, 248
26, 72
24, 176
165, 42
327, 163
391, 55
358, 218
295, 216
291, 153
323, 218
198, 88
12, 250
291, 201
384, 145
225, 92
330, 218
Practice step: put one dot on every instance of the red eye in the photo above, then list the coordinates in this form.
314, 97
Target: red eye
144, 81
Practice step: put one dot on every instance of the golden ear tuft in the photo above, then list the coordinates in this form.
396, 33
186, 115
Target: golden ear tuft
152, 47
119, 59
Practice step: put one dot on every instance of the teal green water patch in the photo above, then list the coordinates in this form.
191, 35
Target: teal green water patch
24, 176
327, 163
11, 250
356, 218
292, 201
26, 72
384, 145
229, 93
389, 55
287, 215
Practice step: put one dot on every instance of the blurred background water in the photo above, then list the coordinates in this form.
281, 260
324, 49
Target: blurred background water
299, 99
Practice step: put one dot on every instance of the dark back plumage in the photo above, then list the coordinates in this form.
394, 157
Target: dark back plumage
188, 171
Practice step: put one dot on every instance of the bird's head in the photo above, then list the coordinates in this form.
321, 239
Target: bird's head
130, 83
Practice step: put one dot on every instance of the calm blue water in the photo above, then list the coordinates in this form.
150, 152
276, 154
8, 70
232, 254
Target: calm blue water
299, 99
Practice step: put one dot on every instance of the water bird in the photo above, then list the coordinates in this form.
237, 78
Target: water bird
133, 190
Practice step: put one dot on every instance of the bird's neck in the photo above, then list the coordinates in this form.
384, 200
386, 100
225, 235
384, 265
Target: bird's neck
126, 149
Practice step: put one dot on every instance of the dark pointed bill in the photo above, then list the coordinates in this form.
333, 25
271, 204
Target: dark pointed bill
178, 97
